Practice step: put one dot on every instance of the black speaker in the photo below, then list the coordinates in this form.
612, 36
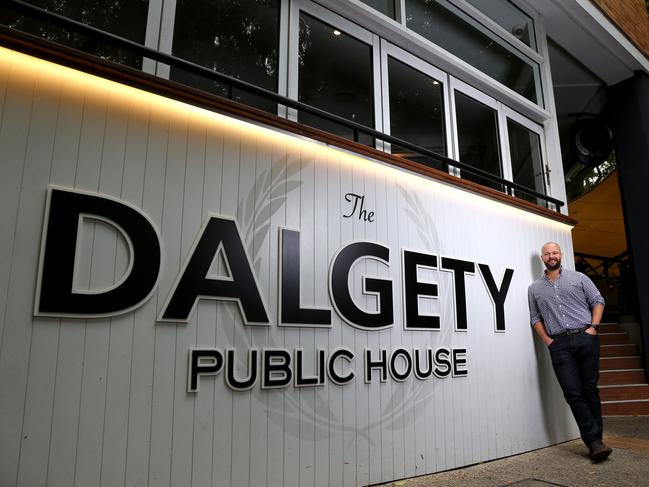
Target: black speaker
591, 141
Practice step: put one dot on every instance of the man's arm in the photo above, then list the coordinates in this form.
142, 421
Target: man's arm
539, 328
596, 317
597, 312
535, 318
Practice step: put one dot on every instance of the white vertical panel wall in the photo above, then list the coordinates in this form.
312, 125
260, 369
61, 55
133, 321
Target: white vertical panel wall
104, 401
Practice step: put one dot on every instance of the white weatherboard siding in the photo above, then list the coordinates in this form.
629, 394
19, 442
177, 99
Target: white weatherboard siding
104, 402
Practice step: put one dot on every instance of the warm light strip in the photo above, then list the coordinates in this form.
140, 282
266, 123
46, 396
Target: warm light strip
73, 81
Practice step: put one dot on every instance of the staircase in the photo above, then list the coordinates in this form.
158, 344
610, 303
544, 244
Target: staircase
623, 387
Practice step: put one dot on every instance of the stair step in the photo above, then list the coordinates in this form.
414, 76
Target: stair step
617, 377
625, 408
613, 363
621, 350
609, 327
624, 392
617, 338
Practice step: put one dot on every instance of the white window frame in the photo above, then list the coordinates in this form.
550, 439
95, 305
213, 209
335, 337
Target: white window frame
479, 96
421, 55
160, 35
166, 35
346, 26
397, 33
388, 49
535, 55
500, 31
508, 113
152, 33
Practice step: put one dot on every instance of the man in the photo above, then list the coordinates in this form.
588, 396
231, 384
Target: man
565, 311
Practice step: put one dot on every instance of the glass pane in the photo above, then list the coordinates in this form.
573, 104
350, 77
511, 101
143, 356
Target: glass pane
527, 163
416, 111
335, 75
239, 39
509, 17
452, 30
477, 128
125, 19
384, 6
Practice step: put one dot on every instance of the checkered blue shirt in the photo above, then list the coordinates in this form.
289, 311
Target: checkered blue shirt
564, 304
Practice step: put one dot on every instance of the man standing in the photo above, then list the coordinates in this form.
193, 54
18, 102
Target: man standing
565, 311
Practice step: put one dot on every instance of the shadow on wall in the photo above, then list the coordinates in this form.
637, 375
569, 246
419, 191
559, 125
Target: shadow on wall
556, 418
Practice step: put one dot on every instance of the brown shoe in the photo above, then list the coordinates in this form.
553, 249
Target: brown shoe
599, 451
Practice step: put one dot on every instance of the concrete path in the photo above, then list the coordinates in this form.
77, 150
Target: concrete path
565, 465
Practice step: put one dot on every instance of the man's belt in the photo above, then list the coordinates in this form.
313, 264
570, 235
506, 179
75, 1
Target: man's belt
569, 332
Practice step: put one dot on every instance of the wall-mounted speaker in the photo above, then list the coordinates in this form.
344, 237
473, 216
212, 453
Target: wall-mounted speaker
591, 140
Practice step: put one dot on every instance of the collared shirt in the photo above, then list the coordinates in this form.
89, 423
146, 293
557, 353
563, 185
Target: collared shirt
563, 304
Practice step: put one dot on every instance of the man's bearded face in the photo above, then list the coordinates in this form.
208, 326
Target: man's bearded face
551, 257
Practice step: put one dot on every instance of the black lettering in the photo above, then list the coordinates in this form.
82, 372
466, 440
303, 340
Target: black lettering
336, 378
420, 373
459, 269
381, 364
442, 363
413, 289
276, 369
396, 375
55, 295
459, 361
317, 380
230, 367
498, 296
354, 199
291, 311
339, 286
363, 214
202, 362
193, 283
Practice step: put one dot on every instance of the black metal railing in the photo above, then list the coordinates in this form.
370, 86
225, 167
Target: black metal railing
508, 187
601, 266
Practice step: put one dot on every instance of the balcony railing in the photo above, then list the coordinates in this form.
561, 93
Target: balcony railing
358, 130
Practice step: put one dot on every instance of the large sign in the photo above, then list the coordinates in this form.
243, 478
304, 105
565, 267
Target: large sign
220, 237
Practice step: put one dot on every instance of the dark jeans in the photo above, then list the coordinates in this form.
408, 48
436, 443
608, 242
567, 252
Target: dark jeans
575, 359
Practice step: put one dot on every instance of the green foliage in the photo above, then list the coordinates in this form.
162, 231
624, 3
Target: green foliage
123, 18
588, 178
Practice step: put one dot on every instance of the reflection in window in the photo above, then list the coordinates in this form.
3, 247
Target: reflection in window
239, 39
386, 7
448, 27
510, 18
416, 111
335, 75
125, 19
477, 129
527, 162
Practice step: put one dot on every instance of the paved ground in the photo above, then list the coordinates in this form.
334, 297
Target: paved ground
566, 464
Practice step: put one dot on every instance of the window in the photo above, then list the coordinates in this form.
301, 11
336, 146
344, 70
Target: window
386, 7
493, 138
510, 18
525, 152
478, 137
341, 68
334, 67
240, 39
125, 19
416, 97
451, 29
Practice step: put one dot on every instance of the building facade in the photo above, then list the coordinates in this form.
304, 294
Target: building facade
282, 242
